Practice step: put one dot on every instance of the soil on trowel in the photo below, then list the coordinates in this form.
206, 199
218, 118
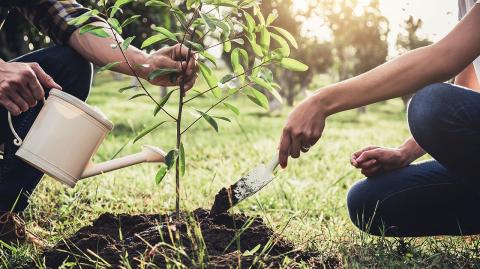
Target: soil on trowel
227, 240
224, 200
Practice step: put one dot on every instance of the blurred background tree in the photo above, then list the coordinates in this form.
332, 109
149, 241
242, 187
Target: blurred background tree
18, 36
410, 40
353, 38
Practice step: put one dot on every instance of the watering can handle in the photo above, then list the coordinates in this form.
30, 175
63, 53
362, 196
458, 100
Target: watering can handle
17, 141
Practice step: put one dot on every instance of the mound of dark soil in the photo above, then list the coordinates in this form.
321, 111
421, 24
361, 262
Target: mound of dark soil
193, 239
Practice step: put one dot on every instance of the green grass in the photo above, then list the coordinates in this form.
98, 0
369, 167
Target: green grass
310, 193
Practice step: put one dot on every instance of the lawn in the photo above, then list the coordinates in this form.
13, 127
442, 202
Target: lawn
307, 199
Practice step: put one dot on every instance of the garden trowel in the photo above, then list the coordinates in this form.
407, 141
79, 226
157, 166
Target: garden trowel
248, 185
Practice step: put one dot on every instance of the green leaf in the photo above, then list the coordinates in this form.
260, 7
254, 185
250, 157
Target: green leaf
250, 22
261, 82
114, 10
161, 174
277, 95
190, 3
196, 46
284, 49
181, 159
226, 78
257, 97
260, 17
95, 30
233, 108
160, 72
120, 3
255, 47
271, 18
157, 3
115, 24
130, 20
265, 39
121, 90
162, 103
209, 119
209, 57
147, 131
293, 65
165, 32
235, 58
222, 118
79, 20
244, 57
210, 23
108, 66
126, 43
227, 46
153, 39
137, 95
207, 74
287, 35
170, 158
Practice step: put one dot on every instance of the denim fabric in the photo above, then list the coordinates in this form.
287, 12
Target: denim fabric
74, 74
437, 197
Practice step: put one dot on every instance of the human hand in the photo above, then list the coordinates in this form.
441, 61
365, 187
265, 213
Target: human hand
373, 160
174, 57
21, 85
302, 130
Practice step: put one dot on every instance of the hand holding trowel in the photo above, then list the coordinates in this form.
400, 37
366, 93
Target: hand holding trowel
248, 185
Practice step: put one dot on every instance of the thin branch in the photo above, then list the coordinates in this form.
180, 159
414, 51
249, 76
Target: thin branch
232, 78
134, 71
214, 105
218, 44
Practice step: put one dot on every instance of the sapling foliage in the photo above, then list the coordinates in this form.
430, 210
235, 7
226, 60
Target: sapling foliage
203, 25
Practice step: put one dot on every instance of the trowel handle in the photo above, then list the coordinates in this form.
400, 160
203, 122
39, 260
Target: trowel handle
273, 163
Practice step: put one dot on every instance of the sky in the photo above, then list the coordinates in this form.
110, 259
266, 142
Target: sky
439, 17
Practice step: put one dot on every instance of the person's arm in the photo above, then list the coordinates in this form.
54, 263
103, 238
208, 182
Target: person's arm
100, 52
372, 160
401, 76
468, 78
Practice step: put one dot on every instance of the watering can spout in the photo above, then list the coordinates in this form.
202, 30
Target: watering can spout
148, 154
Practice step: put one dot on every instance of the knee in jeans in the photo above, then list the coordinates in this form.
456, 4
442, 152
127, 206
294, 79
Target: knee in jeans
427, 110
78, 70
362, 204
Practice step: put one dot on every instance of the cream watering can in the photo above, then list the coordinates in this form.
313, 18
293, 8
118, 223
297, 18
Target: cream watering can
66, 134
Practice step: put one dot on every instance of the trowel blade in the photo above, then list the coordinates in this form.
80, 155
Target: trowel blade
247, 186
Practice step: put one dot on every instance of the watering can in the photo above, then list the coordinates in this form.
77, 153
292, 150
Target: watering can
66, 134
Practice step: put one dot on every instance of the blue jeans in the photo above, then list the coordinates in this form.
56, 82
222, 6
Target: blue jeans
437, 197
74, 74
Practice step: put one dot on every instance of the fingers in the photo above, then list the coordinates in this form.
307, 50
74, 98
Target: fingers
284, 148
295, 146
18, 100
180, 52
369, 154
10, 106
44, 78
373, 170
368, 164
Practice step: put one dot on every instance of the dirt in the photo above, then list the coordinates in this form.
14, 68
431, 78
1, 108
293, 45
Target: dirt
156, 240
224, 200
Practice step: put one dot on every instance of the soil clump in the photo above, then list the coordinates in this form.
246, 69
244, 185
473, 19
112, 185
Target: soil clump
194, 239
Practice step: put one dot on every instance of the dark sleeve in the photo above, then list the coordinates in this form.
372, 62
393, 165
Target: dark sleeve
51, 17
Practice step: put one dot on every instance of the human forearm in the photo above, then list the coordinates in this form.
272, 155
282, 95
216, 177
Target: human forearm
401, 76
410, 151
99, 51
468, 78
